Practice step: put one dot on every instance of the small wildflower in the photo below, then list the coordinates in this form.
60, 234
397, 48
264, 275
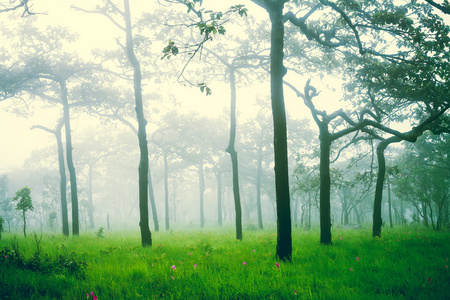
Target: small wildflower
357, 259
351, 270
195, 266
244, 263
446, 267
87, 295
173, 278
429, 280
278, 266
174, 268
340, 238
189, 253
254, 250
295, 292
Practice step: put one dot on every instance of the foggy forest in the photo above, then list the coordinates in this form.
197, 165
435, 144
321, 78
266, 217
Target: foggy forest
240, 149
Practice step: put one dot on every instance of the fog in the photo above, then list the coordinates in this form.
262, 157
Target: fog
187, 132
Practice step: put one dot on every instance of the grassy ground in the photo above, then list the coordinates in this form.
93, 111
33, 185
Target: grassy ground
405, 263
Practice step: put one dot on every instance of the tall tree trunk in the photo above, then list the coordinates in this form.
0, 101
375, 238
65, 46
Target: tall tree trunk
219, 197
344, 206
166, 189
70, 166
377, 220
63, 180
258, 184
389, 202
277, 72
325, 185
146, 235
201, 181
91, 202
152, 200
233, 154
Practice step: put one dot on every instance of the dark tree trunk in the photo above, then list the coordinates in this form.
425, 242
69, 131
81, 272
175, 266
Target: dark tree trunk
152, 201
166, 189
277, 72
258, 184
63, 182
358, 216
219, 197
70, 166
233, 154
377, 220
146, 235
201, 181
325, 185
91, 202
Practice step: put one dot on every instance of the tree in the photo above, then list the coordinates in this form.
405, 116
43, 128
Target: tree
1, 226
24, 204
16, 5
62, 173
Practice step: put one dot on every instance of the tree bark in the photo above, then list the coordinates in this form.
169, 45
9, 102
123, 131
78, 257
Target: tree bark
377, 220
277, 72
325, 185
146, 236
70, 165
233, 154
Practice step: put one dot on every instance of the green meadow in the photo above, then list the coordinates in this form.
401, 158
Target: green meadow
406, 263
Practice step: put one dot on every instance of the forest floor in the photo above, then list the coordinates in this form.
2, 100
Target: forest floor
406, 263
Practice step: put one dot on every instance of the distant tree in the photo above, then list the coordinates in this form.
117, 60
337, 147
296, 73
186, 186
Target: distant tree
24, 204
1, 226
62, 173
6, 206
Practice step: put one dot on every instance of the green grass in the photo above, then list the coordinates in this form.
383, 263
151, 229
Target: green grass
397, 266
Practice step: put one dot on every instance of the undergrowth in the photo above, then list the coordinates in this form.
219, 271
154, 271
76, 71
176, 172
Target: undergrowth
403, 264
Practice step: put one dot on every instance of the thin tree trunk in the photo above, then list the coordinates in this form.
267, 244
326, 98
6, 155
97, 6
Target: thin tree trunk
277, 72
24, 224
219, 197
146, 236
91, 202
201, 181
166, 189
258, 185
63, 180
152, 200
233, 154
389, 202
70, 165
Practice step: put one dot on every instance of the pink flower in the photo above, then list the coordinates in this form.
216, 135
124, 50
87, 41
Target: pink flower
357, 259
87, 295
174, 268
195, 266
254, 250
278, 266
190, 253
244, 263
340, 238
351, 270
173, 278
295, 292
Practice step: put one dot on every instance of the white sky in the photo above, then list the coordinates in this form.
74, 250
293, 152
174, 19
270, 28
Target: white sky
18, 141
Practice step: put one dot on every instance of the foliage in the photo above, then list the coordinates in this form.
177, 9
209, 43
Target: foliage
23, 199
100, 233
